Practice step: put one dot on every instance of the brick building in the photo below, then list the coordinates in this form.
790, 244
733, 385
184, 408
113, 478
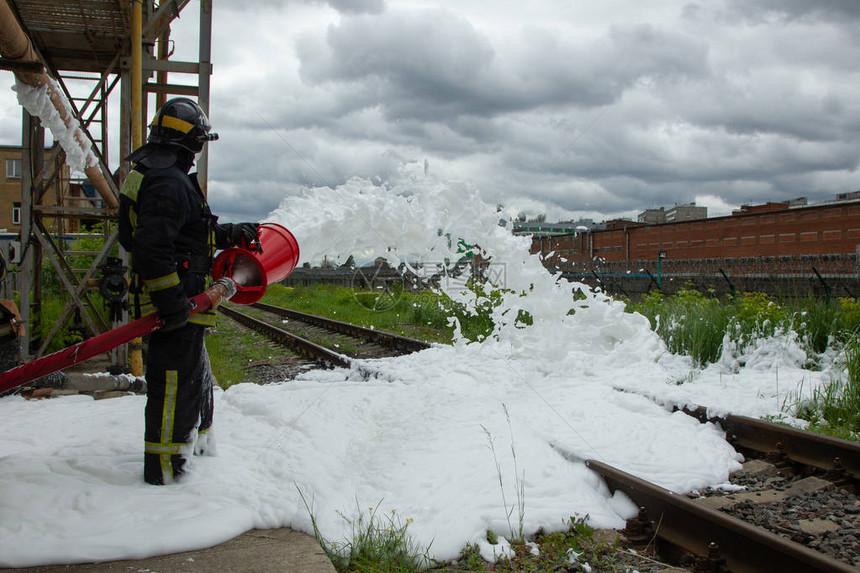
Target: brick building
774, 230
10, 188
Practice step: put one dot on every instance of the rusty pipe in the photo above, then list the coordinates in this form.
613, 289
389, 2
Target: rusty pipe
136, 74
16, 46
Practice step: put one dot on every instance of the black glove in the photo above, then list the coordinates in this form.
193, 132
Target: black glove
246, 232
176, 319
173, 308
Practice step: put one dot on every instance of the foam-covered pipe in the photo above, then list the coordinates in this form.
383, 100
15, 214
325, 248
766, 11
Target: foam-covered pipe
58, 117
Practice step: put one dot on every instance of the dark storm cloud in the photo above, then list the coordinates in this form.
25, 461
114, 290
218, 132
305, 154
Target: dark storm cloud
430, 57
435, 65
344, 6
358, 6
746, 102
834, 10
803, 118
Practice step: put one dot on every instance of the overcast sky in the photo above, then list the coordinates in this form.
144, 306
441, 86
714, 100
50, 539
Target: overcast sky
597, 108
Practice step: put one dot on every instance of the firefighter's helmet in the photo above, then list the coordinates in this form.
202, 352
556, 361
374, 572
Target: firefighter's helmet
181, 123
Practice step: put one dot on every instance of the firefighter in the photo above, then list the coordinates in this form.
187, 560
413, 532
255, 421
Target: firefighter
167, 227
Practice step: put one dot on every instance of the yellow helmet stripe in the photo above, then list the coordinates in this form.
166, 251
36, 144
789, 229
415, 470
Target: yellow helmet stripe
175, 123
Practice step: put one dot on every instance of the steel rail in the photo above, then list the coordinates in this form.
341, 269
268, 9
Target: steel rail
296, 343
807, 448
388, 339
694, 527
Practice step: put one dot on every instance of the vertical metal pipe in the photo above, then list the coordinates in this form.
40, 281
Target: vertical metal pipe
136, 73
37, 164
590, 245
135, 354
161, 76
124, 356
203, 85
25, 277
627, 248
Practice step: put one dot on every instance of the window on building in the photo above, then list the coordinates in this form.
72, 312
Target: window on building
16, 213
13, 169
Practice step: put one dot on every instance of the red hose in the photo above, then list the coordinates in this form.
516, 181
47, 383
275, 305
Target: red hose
106, 341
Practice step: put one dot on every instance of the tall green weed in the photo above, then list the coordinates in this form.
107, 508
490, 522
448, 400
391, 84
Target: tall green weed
699, 325
380, 543
834, 408
688, 321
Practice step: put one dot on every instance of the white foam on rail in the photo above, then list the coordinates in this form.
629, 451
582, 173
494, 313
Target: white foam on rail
37, 101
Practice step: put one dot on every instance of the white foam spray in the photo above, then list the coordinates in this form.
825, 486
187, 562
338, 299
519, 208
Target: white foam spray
414, 441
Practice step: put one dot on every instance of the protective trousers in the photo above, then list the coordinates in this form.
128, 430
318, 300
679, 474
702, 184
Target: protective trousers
179, 402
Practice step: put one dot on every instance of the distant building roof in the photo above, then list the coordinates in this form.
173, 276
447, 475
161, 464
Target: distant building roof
769, 206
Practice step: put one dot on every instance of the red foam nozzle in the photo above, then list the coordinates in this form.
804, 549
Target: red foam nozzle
253, 271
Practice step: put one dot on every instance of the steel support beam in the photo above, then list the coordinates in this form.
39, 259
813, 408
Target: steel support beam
203, 81
168, 10
25, 277
77, 289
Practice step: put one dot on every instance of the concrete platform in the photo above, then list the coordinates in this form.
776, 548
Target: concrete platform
257, 551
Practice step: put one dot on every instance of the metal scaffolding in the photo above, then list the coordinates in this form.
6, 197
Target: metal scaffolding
89, 48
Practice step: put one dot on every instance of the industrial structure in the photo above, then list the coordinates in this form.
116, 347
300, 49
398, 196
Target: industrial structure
676, 214
775, 240
72, 55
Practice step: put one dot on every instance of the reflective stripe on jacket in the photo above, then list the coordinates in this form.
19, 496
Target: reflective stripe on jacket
167, 227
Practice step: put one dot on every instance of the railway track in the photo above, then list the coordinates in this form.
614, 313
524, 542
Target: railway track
739, 531
393, 343
796, 509
328, 343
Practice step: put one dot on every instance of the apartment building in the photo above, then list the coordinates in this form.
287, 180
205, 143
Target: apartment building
10, 188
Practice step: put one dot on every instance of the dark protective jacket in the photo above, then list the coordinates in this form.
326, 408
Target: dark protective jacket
166, 225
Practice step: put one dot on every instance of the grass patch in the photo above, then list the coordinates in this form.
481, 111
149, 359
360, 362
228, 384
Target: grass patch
418, 315
574, 549
72, 332
231, 348
380, 543
341, 303
423, 315
578, 548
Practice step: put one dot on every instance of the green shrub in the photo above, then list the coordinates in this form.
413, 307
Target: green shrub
379, 544
848, 318
42, 323
755, 315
